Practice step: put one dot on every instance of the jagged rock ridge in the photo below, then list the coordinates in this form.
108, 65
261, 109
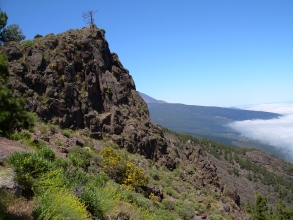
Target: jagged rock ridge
74, 80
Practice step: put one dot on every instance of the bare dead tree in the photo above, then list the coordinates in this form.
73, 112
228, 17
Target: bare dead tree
88, 17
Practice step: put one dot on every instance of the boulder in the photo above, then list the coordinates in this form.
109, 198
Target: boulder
7, 181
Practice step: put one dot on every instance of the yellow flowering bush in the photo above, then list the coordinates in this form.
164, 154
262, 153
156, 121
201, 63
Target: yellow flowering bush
113, 164
135, 177
154, 199
59, 203
128, 174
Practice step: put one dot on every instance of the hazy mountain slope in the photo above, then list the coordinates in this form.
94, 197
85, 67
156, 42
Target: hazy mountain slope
149, 99
201, 120
209, 122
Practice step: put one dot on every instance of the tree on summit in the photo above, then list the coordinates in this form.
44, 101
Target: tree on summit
88, 17
3, 19
10, 33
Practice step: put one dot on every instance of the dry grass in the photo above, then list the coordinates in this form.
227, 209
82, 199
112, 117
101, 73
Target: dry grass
21, 208
13, 207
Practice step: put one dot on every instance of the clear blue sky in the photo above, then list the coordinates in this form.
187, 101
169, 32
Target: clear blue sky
199, 52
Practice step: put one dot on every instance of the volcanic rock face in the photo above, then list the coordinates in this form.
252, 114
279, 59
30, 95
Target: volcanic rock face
74, 80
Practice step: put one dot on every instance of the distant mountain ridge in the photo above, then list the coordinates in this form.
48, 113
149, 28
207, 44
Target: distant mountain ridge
209, 122
149, 99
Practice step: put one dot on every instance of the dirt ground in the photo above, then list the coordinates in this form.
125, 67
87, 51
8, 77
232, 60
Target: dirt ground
8, 146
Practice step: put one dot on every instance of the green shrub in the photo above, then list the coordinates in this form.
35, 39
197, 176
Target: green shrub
124, 210
47, 153
171, 192
28, 167
58, 142
60, 162
185, 210
199, 207
44, 151
138, 199
183, 195
98, 200
216, 216
169, 205
79, 156
43, 129
27, 43
39, 144
103, 32
67, 132
101, 179
13, 116
29, 163
4, 73
76, 175
163, 215
53, 128
24, 136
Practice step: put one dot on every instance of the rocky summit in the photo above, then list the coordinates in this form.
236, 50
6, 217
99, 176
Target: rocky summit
74, 80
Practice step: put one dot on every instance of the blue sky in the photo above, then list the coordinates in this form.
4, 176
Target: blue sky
199, 52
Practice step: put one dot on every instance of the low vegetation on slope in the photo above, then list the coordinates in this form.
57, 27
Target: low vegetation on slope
267, 179
111, 183
103, 183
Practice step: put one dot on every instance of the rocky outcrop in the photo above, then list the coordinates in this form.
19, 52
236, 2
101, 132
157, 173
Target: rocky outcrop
7, 181
73, 79
203, 172
199, 169
232, 194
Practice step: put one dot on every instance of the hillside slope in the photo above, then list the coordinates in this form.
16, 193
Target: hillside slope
211, 122
95, 145
149, 99
248, 171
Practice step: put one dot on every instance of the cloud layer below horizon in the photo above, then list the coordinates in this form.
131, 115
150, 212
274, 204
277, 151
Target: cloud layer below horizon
276, 132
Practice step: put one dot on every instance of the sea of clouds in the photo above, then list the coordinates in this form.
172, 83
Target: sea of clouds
276, 132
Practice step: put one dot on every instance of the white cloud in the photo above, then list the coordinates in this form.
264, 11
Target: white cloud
281, 108
277, 132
